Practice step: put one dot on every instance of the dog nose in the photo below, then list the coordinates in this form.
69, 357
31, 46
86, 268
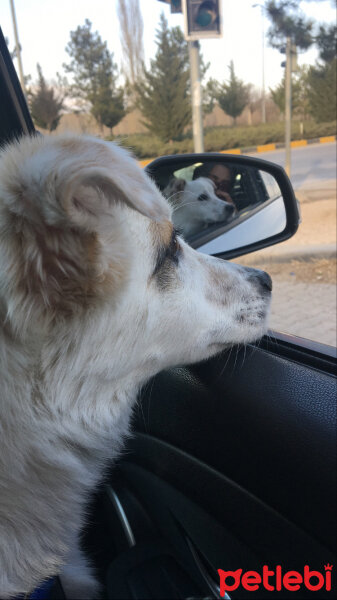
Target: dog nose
266, 281
228, 209
262, 278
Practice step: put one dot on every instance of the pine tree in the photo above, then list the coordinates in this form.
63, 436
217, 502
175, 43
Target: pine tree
326, 40
233, 96
95, 75
163, 95
287, 21
322, 77
299, 92
322, 91
45, 107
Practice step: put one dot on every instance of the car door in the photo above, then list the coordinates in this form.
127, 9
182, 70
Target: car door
230, 467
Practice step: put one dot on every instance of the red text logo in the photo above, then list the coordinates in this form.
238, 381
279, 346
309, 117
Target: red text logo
275, 579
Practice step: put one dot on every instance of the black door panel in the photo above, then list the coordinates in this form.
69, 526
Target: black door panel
268, 424
233, 463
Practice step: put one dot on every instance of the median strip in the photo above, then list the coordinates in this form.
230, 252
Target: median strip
265, 147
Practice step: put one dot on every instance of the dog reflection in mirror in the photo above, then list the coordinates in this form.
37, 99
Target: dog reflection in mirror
195, 204
98, 293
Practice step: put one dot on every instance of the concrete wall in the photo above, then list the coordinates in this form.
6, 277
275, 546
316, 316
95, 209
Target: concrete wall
132, 122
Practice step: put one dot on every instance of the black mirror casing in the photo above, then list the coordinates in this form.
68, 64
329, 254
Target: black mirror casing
291, 206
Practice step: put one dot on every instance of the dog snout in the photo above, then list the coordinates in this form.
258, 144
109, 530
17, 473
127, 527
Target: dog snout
262, 278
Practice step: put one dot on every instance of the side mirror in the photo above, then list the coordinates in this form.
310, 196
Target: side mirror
227, 205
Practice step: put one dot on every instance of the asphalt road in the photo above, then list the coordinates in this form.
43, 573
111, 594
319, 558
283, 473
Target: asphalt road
309, 164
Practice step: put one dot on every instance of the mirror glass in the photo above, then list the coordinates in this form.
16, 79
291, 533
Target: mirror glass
240, 203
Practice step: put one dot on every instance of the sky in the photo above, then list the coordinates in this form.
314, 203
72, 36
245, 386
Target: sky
44, 30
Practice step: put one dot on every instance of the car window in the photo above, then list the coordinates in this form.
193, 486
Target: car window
304, 267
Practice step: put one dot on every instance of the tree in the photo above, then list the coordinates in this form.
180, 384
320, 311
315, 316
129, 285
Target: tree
326, 42
322, 91
163, 94
322, 77
299, 92
287, 21
131, 36
232, 96
45, 107
95, 75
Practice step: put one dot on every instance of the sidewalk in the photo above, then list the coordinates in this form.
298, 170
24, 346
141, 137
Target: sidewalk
305, 306
305, 309
316, 235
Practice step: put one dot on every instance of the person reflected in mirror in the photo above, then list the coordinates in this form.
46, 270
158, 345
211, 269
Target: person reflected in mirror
222, 177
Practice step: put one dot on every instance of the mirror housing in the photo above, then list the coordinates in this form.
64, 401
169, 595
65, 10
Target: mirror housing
222, 238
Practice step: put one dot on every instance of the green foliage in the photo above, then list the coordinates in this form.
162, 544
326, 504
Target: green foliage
232, 96
326, 42
163, 95
299, 93
322, 91
288, 21
221, 138
45, 107
94, 75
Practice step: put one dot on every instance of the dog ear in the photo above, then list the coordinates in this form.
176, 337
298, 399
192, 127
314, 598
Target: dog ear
174, 186
79, 180
55, 196
91, 194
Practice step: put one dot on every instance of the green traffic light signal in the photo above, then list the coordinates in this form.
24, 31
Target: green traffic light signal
206, 14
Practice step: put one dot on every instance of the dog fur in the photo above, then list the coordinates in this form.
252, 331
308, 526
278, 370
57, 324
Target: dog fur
196, 205
97, 294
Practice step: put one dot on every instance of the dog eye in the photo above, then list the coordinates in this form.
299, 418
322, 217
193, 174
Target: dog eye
203, 197
175, 250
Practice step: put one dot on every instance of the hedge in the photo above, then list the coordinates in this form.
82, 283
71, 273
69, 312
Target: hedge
222, 138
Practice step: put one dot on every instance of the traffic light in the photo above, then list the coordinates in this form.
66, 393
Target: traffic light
202, 19
175, 5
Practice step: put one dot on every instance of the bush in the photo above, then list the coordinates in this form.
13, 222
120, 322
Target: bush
224, 138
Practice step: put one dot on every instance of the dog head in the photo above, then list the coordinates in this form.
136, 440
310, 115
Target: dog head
196, 205
89, 256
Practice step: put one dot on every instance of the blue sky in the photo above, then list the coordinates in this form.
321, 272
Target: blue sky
44, 27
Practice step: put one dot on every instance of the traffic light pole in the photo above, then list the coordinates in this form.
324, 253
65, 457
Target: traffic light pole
196, 94
288, 106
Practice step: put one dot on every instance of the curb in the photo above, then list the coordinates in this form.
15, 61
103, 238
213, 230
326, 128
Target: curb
265, 147
278, 145
283, 255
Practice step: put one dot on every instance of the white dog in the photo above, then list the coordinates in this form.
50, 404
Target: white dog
97, 294
196, 204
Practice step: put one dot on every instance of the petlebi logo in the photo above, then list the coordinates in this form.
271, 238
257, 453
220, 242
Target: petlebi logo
276, 579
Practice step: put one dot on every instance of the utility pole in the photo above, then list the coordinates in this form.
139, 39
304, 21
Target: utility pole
17, 47
196, 94
288, 106
263, 95
263, 82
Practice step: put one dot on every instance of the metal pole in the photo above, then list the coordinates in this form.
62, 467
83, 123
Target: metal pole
288, 107
263, 82
17, 47
196, 94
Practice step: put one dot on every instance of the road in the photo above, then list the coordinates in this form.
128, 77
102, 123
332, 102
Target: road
309, 164
306, 308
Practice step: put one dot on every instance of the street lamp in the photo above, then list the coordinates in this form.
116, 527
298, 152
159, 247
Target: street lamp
263, 83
